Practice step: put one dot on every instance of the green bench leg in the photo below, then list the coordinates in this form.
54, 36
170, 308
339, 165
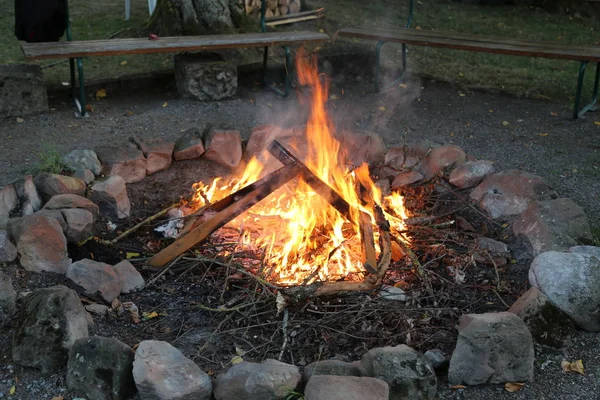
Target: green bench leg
592, 105
396, 81
288, 71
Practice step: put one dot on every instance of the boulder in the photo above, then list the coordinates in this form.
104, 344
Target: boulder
548, 325
55, 214
8, 297
85, 175
80, 224
48, 323
205, 77
158, 153
395, 157
97, 309
571, 281
190, 145
162, 372
23, 90
261, 137
130, 279
250, 381
8, 251
111, 197
86, 159
224, 147
64, 201
417, 152
436, 359
406, 178
125, 160
591, 250
28, 195
492, 348
95, 278
553, 225
495, 247
8, 202
330, 367
440, 158
363, 148
49, 185
406, 371
41, 244
509, 193
470, 173
101, 368
329, 387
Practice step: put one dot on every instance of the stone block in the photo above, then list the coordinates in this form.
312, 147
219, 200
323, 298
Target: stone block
22, 90
205, 77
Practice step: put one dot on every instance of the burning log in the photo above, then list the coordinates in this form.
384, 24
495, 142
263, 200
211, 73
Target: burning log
270, 183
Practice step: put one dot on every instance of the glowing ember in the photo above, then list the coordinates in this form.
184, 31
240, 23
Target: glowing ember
303, 237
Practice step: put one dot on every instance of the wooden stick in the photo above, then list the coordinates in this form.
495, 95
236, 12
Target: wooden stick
294, 20
300, 14
276, 180
368, 242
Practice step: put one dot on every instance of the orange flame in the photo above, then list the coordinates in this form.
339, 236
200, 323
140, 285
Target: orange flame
303, 237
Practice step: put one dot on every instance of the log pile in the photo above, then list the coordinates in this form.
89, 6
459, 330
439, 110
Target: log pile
275, 8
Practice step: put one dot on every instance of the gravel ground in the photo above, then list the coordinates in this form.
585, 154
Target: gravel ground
533, 135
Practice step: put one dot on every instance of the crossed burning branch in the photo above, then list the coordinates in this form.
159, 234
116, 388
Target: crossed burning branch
237, 203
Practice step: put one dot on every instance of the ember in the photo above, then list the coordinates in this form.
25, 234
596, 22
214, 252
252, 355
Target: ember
302, 235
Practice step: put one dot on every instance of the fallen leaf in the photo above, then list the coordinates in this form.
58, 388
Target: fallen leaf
149, 315
322, 30
461, 74
403, 85
89, 107
417, 28
123, 62
65, 83
100, 94
165, 104
462, 94
131, 254
505, 123
455, 387
382, 108
554, 114
58, 398
577, 366
20, 120
334, 97
596, 122
513, 387
236, 360
543, 134
240, 352
12, 390
130, 113
135, 346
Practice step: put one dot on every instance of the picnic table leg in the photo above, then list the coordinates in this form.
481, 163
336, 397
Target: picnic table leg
81, 103
399, 79
592, 105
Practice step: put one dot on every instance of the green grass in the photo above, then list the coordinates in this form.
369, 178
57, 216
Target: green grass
50, 161
543, 78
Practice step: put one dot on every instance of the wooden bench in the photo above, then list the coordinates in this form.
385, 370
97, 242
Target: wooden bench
458, 41
76, 50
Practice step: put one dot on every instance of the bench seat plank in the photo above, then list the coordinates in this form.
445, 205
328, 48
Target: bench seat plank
111, 47
485, 44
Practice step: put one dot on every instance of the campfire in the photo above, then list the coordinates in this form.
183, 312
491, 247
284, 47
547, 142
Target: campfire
315, 218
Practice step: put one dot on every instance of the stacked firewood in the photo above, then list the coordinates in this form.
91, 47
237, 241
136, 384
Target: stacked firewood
275, 8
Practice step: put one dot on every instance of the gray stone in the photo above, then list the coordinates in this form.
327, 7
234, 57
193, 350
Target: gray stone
471, 173
28, 195
101, 368
492, 348
591, 250
224, 147
8, 251
63, 201
553, 225
548, 325
22, 90
491, 245
190, 145
130, 279
162, 372
406, 178
271, 380
406, 371
363, 148
8, 202
80, 224
48, 323
85, 175
83, 159
205, 77
395, 157
436, 358
111, 197
389, 292
41, 244
55, 214
509, 193
49, 185
98, 309
8, 297
125, 160
571, 281
346, 388
440, 158
329, 367
95, 278
158, 153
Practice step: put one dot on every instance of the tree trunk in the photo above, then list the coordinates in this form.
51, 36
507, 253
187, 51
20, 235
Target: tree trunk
198, 17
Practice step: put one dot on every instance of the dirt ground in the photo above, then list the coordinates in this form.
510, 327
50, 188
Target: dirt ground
527, 134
